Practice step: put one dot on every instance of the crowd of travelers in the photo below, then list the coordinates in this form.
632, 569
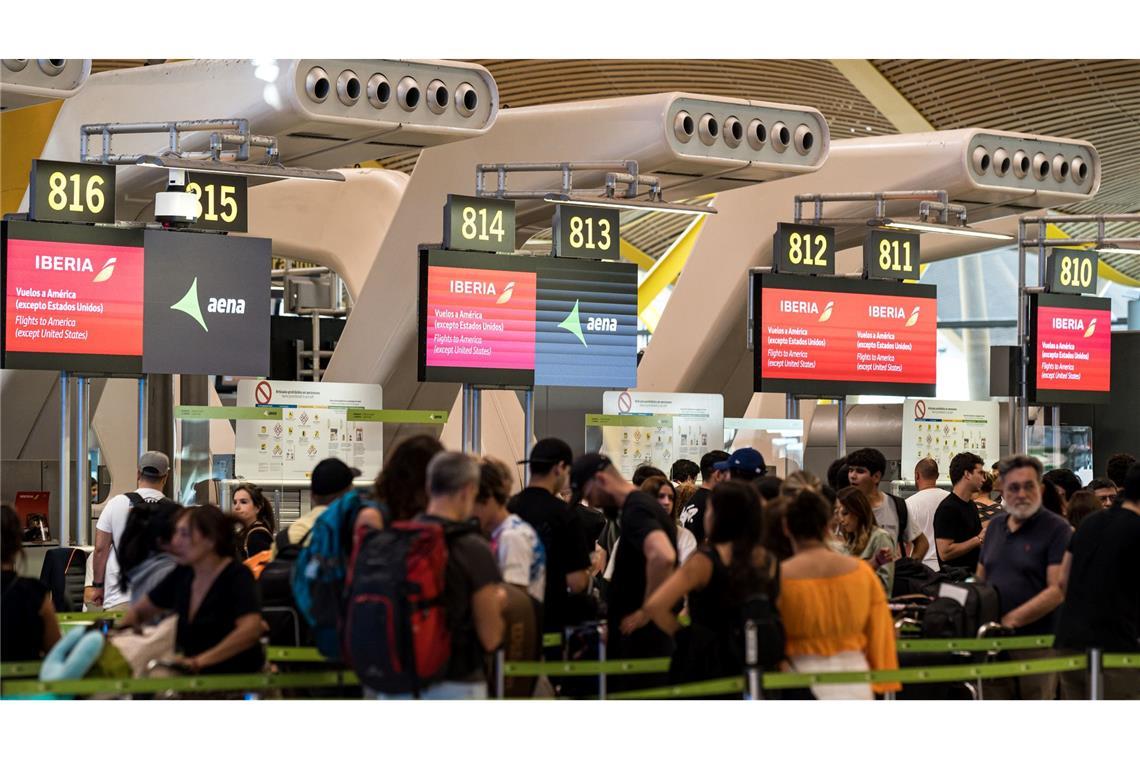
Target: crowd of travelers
416, 582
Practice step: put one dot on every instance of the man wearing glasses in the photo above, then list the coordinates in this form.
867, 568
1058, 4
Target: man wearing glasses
646, 555
1021, 558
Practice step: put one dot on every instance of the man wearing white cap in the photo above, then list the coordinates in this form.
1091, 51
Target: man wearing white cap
154, 466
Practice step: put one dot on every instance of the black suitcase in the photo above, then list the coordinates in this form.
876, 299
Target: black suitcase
959, 610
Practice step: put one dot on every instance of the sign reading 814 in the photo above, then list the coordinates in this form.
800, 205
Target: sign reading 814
478, 224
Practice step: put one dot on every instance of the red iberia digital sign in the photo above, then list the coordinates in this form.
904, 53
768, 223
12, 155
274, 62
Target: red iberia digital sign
1072, 340
832, 336
75, 300
480, 318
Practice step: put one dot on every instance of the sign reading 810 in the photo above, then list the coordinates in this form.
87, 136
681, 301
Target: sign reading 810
1070, 270
804, 249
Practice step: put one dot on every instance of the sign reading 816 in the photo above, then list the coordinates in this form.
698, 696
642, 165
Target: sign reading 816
64, 191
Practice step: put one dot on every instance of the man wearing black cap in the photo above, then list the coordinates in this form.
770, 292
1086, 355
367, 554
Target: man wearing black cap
646, 554
560, 528
330, 480
693, 515
153, 469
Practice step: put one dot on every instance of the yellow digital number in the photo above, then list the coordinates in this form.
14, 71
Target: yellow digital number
1076, 273
206, 196
476, 227
800, 249
59, 197
891, 258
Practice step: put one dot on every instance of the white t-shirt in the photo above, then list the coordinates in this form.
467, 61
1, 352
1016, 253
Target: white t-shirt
921, 508
888, 519
521, 555
113, 520
686, 544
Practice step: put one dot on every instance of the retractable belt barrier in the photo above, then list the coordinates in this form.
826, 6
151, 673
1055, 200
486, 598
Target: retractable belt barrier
716, 687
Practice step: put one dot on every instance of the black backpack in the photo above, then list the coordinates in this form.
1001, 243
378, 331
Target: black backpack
287, 627
144, 520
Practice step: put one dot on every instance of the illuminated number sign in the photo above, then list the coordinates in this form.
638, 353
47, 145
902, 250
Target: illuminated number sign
804, 249
478, 224
890, 255
223, 199
588, 233
63, 191
1072, 271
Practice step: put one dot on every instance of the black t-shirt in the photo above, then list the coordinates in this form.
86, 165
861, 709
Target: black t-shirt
958, 520
1102, 600
470, 567
232, 595
693, 514
22, 634
640, 516
567, 548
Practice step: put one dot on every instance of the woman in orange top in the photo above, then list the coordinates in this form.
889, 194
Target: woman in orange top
834, 609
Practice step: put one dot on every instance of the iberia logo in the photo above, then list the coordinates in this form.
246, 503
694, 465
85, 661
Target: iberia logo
507, 293
826, 315
1091, 328
107, 270
913, 320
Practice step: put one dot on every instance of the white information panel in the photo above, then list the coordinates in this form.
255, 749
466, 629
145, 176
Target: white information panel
698, 427
313, 426
940, 429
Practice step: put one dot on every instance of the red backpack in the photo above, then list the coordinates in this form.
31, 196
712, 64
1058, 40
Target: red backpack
396, 634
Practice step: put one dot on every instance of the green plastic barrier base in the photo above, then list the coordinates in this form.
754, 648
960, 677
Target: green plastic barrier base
294, 654
712, 688
29, 669
552, 639
89, 617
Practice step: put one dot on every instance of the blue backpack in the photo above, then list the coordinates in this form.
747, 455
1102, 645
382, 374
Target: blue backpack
320, 570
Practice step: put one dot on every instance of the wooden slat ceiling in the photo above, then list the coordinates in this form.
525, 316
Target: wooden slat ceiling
1094, 100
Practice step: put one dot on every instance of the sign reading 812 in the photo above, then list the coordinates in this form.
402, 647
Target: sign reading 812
804, 249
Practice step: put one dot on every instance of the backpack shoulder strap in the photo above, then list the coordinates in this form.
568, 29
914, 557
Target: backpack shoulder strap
900, 508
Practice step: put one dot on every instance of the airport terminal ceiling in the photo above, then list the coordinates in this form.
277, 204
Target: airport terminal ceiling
1095, 100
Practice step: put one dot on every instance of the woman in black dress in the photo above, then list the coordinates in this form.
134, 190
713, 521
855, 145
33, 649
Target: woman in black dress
255, 513
215, 596
731, 578
28, 618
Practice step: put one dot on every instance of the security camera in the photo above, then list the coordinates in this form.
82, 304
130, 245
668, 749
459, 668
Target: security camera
175, 207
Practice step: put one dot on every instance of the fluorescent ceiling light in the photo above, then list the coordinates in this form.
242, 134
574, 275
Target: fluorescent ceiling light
268, 171
944, 229
627, 203
1117, 249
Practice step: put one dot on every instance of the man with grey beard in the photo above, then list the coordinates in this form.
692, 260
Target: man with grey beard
1021, 558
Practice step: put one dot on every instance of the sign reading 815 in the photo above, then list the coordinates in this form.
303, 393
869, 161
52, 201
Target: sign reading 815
223, 198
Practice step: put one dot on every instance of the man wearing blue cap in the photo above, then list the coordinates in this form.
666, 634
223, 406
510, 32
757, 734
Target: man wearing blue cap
745, 464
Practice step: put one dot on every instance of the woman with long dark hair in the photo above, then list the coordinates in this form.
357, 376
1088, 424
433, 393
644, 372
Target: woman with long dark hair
215, 596
731, 578
255, 513
665, 493
401, 487
146, 555
862, 536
